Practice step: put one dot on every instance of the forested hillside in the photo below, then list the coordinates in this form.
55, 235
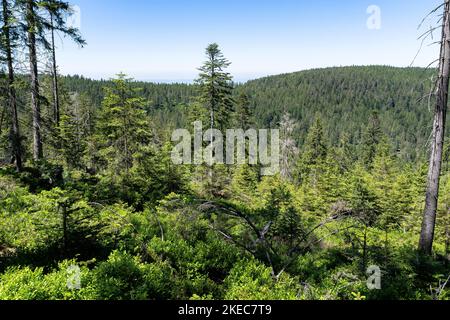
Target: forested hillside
349, 199
344, 98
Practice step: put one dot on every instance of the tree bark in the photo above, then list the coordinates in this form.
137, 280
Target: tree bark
435, 165
12, 98
65, 238
365, 250
213, 108
2, 117
56, 109
35, 103
447, 236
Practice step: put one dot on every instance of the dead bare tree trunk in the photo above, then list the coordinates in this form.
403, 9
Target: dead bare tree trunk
35, 103
12, 98
432, 193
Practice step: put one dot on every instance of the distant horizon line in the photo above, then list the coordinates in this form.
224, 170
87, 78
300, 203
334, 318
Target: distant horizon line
238, 79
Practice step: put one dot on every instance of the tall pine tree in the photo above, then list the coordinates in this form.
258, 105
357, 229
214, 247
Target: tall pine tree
123, 125
216, 88
39, 17
56, 22
9, 36
371, 138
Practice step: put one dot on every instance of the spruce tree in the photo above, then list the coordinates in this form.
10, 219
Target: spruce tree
8, 40
371, 138
345, 153
123, 125
216, 88
243, 113
34, 31
315, 150
56, 22
39, 17
75, 131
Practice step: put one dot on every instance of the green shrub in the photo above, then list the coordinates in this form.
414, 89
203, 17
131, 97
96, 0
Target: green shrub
124, 277
250, 280
34, 284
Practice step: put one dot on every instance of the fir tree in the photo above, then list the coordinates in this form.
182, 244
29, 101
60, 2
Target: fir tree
216, 88
123, 126
8, 40
243, 113
57, 12
315, 150
371, 138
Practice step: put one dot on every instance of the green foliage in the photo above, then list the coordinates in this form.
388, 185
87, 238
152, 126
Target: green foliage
245, 182
216, 88
75, 133
121, 277
371, 138
315, 149
108, 198
250, 280
243, 116
124, 277
35, 284
344, 98
123, 127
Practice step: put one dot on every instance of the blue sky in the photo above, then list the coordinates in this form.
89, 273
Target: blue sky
164, 40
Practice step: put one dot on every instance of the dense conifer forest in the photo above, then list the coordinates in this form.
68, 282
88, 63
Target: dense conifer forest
350, 93
93, 207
